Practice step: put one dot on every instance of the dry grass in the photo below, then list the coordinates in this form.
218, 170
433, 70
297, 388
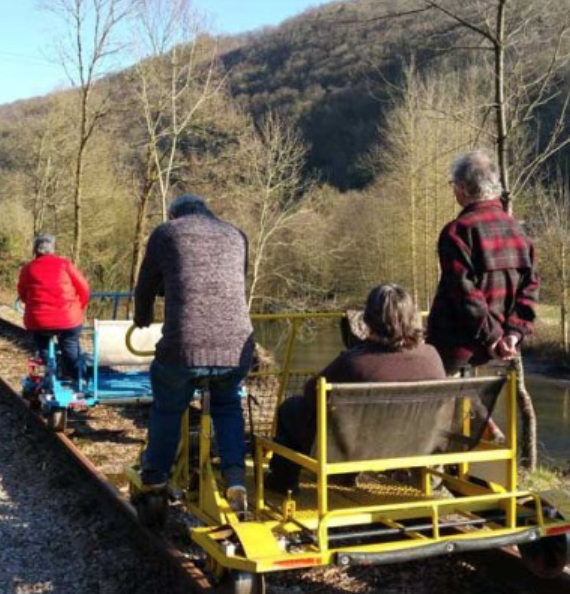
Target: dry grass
546, 344
543, 479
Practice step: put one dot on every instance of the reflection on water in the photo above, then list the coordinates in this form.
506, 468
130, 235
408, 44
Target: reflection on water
317, 347
552, 404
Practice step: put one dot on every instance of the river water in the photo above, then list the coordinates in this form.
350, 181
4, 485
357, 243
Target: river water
551, 400
551, 397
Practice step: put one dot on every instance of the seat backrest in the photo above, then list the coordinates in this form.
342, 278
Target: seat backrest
374, 421
111, 345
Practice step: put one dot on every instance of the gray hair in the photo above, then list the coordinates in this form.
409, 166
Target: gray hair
478, 173
187, 204
44, 244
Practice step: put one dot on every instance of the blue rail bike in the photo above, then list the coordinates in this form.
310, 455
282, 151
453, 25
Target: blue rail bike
109, 373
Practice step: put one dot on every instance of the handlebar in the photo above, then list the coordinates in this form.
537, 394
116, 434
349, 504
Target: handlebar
18, 306
132, 348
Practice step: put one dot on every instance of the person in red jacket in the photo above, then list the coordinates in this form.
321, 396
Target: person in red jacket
56, 295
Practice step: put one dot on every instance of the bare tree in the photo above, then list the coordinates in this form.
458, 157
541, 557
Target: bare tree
501, 27
419, 135
49, 166
312, 258
523, 82
271, 199
42, 174
552, 227
503, 35
86, 52
144, 188
175, 78
498, 31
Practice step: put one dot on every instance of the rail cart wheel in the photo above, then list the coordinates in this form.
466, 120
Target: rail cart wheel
30, 395
57, 419
152, 509
245, 582
546, 557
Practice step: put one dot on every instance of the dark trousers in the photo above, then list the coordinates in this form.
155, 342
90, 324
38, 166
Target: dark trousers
296, 428
68, 342
173, 387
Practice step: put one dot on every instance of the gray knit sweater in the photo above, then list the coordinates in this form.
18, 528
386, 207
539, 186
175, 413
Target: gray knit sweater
200, 262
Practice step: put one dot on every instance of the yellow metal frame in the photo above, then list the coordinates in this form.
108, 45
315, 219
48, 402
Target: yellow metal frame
261, 555
261, 532
295, 322
208, 503
478, 501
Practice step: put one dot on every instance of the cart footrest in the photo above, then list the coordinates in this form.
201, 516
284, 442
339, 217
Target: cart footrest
436, 549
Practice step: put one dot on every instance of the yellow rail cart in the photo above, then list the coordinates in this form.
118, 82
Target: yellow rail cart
427, 481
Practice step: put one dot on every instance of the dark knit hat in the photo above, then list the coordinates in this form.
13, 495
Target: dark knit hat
187, 204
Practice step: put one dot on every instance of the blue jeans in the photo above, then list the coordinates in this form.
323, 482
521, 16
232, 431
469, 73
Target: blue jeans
173, 388
68, 342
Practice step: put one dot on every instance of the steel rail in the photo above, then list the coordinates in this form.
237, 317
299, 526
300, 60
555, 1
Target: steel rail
189, 575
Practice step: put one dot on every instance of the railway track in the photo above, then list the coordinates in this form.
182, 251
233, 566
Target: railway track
91, 456
63, 526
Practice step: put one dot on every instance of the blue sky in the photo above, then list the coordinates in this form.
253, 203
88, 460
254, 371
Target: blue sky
27, 66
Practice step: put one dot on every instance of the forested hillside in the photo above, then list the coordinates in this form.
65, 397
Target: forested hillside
328, 139
327, 70
334, 70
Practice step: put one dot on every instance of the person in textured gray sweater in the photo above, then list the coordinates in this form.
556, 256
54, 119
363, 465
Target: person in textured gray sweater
199, 263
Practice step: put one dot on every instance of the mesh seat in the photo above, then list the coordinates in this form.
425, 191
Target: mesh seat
372, 421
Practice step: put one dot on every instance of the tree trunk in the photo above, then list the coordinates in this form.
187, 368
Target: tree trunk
138, 242
499, 51
528, 415
528, 434
564, 304
77, 227
413, 208
84, 135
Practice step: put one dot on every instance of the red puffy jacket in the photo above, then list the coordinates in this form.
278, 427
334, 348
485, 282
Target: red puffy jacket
55, 293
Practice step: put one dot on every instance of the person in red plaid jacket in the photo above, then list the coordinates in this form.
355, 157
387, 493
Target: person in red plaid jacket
485, 302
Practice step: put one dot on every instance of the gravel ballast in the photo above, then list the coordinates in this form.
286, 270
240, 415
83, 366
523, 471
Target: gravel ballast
55, 534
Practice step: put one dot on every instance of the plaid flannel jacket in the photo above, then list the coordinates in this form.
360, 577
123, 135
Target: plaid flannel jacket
488, 285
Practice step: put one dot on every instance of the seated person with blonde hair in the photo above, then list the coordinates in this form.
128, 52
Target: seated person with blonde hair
393, 351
